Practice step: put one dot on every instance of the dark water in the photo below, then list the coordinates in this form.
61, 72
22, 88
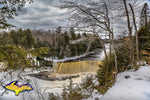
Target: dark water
94, 56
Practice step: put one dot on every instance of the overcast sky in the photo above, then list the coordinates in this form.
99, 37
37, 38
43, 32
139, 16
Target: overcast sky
41, 15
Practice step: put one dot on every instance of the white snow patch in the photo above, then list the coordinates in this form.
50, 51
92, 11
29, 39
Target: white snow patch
42, 86
137, 87
95, 95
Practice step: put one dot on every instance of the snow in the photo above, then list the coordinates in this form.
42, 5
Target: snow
95, 95
38, 85
137, 87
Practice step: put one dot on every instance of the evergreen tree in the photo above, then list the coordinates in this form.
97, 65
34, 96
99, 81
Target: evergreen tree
6, 39
144, 42
29, 38
22, 38
73, 50
84, 34
72, 32
9, 9
66, 37
144, 18
58, 30
78, 36
14, 57
38, 43
14, 36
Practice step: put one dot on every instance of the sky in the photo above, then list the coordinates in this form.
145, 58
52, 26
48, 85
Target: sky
42, 14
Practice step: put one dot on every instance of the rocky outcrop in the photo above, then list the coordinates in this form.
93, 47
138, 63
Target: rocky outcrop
50, 76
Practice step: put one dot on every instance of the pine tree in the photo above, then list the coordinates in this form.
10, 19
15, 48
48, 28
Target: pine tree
144, 42
9, 9
29, 38
78, 36
66, 37
72, 32
58, 30
14, 57
144, 15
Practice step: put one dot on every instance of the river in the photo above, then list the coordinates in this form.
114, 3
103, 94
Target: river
44, 86
92, 56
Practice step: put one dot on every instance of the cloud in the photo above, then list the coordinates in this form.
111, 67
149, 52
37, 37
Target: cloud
40, 15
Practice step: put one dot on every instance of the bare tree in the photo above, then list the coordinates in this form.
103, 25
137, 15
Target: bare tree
130, 32
136, 32
132, 15
9, 9
95, 14
100, 15
83, 14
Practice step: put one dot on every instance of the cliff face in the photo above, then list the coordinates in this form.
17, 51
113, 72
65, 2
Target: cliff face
77, 67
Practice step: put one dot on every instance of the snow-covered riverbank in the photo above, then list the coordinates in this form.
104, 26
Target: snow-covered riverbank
40, 86
135, 87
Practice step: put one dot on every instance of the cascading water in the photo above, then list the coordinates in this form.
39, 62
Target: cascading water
77, 67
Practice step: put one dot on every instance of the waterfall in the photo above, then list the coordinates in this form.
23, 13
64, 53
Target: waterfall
77, 67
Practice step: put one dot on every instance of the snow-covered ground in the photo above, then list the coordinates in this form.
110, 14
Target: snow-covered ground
38, 85
137, 87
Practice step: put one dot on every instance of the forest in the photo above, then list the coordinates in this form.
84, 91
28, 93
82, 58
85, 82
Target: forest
57, 45
122, 25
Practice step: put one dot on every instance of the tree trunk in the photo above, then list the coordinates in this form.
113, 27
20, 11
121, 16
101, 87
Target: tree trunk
136, 32
114, 51
145, 12
110, 43
89, 46
130, 34
102, 43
